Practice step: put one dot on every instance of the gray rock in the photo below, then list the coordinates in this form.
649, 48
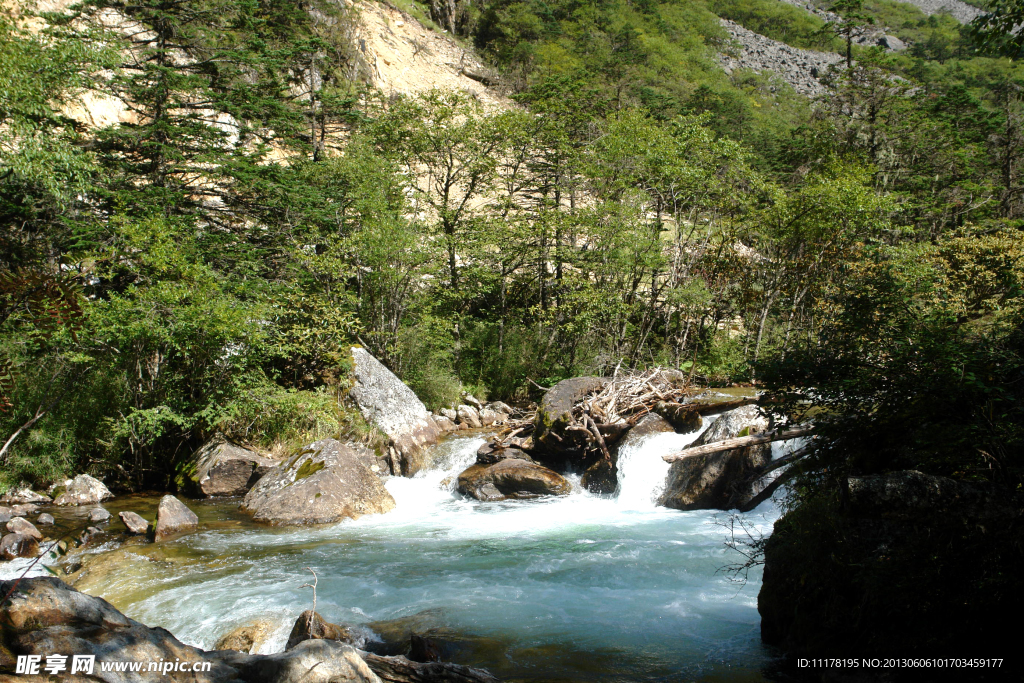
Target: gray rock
386, 402
489, 417
325, 482
472, 400
22, 526
511, 478
83, 490
45, 519
448, 413
46, 616
444, 424
223, 468
911, 493
24, 495
18, 545
5, 517
173, 517
892, 44
469, 417
488, 454
716, 481
99, 515
135, 523
500, 407
23, 509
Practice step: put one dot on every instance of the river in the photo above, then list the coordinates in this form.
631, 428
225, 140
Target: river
577, 588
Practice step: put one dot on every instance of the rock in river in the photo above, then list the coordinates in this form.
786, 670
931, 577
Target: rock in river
172, 517
223, 468
717, 481
134, 522
554, 414
511, 478
18, 545
311, 626
83, 490
386, 402
325, 482
19, 525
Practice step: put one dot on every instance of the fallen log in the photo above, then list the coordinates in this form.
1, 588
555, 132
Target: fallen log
399, 669
741, 442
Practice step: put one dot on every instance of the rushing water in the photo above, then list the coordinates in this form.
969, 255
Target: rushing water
576, 588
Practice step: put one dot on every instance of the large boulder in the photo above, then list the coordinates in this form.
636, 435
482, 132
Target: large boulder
469, 416
223, 468
325, 482
45, 616
511, 478
718, 481
554, 414
386, 402
173, 518
83, 490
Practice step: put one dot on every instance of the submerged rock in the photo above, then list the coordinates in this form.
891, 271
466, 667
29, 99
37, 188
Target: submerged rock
386, 402
325, 482
135, 523
45, 519
83, 490
223, 468
718, 481
511, 478
311, 626
45, 616
173, 517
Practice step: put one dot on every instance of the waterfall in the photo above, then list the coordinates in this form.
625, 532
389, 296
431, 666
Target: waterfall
642, 471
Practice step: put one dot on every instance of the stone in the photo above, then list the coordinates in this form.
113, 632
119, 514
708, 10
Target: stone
489, 453
472, 400
23, 495
245, 638
469, 416
172, 518
83, 490
18, 545
387, 403
649, 424
445, 424
45, 519
223, 468
717, 481
892, 43
5, 517
311, 626
511, 478
99, 515
489, 417
684, 418
499, 407
601, 477
46, 616
554, 414
20, 525
23, 510
133, 522
448, 413
909, 493
325, 482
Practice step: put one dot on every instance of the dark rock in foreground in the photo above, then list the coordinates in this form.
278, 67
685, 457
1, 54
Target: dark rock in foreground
18, 545
511, 478
325, 482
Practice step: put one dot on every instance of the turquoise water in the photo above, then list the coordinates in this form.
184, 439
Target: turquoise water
580, 588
